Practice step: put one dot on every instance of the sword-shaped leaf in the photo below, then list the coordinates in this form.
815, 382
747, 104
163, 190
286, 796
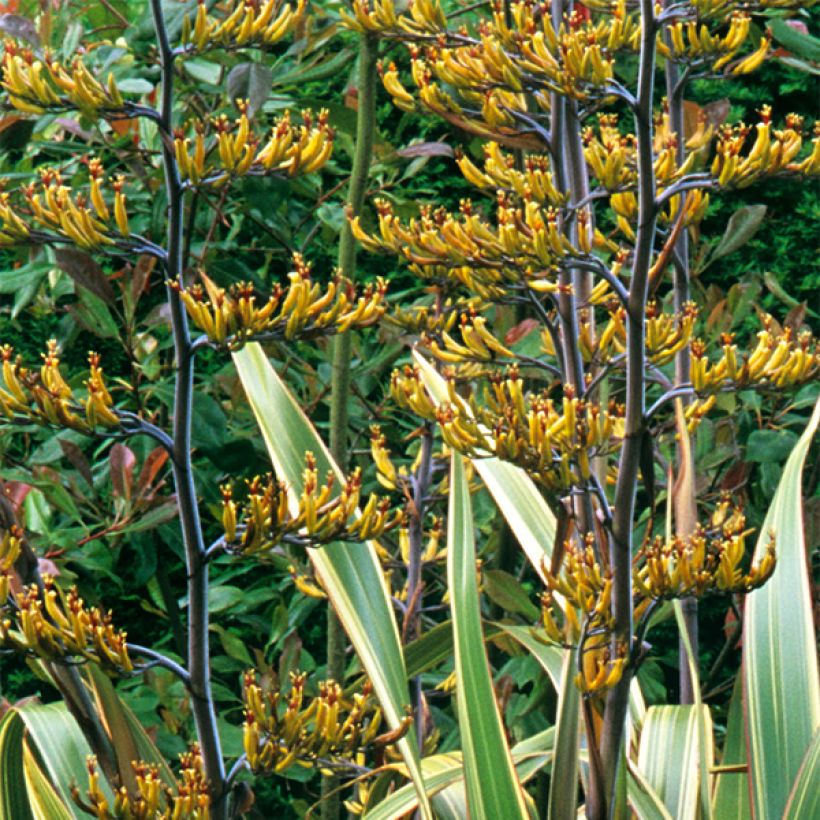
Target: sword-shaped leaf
493, 788
780, 675
350, 573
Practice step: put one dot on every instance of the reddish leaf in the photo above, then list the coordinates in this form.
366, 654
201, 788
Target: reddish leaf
795, 317
16, 492
141, 275
735, 477
78, 460
520, 331
150, 467
426, 149
121, 464
85, 272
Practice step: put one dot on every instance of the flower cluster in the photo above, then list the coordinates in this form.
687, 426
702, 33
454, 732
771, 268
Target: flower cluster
577, 603
320, 515
699, 565
283, 729
770, 152
778, 360
303, 309
10, 546
45, 397
36, 85
696, 45
242, 24
554, 443
521, 251
492, 70
86, 220
153, 799
56, 625
235, 151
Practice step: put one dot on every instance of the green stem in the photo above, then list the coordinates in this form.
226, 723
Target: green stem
685, 502
342, 344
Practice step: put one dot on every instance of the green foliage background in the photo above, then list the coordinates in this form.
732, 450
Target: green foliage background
262, 619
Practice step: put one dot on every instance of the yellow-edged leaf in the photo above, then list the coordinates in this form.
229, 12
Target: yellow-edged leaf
780, 673
350, 573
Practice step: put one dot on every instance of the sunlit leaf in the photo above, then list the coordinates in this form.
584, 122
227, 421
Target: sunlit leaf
493, 790
780, 673
350, 573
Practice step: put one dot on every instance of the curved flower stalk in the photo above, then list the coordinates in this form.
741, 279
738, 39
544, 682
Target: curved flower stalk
58, 626
302, 310
49, 212
321, 516
34, 86
46, 398
284, 728
235, 151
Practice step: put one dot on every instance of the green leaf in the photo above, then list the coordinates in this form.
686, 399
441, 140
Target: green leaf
506, 591
493, 790
800, 44
45, 802
804, 801
14, 804
740, 228
706, 754
550, 656
350, 573
563, 796
642, 797
770, 446
443, 771
128, 738
669, 756
252, 82
61, 748
780, 674
732, 788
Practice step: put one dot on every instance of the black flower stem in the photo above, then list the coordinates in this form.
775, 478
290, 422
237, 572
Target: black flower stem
199, 666
620, 562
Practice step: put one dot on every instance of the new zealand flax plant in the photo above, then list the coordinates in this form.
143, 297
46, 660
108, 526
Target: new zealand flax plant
559, 360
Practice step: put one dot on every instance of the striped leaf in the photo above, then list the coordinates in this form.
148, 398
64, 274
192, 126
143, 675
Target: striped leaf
350, 573
14, 804
443, 772
669, 756
780, 674
804, 801
45, 802
563, 796
43, 747
732, 787
493, 790
642, 798
128, 738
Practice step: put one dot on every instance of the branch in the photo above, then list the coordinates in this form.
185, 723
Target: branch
199, 666
158, 659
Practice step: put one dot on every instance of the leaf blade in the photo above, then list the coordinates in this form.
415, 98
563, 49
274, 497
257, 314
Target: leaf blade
780, 671
493, 789
351, 573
